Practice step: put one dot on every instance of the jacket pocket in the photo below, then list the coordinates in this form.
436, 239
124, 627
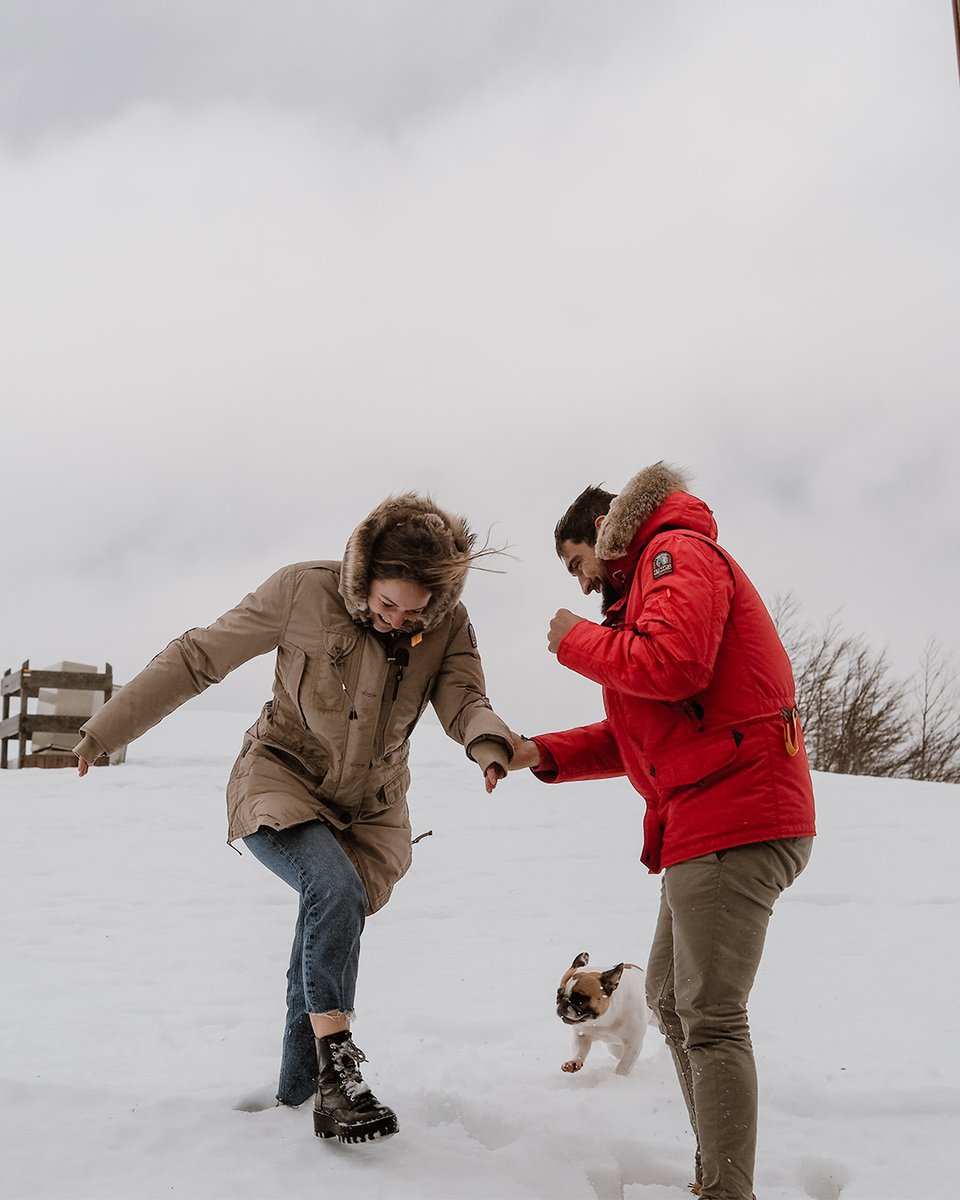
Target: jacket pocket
693, 762
329, 672
394, 791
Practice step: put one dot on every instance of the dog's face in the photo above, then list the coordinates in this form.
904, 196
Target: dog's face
585, 995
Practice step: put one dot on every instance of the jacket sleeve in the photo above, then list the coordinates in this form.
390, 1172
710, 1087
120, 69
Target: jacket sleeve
589, 752
459, 699
189, 665
667, 650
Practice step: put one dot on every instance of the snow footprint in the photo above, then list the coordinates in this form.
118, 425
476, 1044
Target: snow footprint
258, 1101
480, 1123
823, 1179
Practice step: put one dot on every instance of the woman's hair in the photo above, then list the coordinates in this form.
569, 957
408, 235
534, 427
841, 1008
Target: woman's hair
424, 551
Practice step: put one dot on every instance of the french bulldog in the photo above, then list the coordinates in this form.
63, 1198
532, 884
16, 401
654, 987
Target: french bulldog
604, 1006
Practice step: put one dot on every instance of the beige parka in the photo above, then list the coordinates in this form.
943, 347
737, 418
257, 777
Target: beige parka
332, 742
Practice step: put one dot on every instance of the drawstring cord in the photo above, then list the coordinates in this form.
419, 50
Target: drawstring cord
335, 660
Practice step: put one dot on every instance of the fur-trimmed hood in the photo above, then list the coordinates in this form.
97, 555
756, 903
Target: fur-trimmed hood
448, 531
654, 499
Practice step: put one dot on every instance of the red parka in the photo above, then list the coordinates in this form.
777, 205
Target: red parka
697, 687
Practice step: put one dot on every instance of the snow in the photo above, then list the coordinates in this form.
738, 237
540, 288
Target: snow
143, 981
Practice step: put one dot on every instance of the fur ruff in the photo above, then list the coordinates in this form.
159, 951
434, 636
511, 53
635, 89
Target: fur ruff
421, 510
634, 505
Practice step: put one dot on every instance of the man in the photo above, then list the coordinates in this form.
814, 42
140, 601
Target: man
700, 717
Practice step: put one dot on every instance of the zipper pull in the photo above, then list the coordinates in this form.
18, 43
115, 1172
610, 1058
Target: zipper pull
401, 656
791, 730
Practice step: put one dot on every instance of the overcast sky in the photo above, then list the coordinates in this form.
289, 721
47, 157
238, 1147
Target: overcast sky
265, 263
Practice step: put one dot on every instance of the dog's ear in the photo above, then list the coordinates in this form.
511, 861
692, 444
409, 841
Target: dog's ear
580, 961
610, 979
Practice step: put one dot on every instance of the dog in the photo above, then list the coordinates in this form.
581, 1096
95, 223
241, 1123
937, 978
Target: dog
604, 1006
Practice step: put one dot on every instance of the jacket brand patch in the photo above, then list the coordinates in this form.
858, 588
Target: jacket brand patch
662, 564
472, 634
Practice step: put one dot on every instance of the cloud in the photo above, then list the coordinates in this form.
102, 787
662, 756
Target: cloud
495, 260
375, 67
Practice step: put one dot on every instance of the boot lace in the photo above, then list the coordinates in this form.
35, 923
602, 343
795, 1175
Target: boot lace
347, 1057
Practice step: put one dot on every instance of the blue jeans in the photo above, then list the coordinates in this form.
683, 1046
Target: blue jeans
322, 976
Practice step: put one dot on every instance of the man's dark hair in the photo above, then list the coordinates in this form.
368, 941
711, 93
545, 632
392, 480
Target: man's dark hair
579, 522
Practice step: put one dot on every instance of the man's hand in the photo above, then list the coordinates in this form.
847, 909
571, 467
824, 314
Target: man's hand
525, 753
560, 626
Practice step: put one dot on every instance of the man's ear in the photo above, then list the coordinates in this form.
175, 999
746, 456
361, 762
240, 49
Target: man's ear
599, 521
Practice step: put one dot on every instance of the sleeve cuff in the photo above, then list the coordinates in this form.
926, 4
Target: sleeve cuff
89, 749
490, 751
547, 768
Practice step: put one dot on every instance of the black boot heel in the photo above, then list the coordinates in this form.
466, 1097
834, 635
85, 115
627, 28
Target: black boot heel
323, 1126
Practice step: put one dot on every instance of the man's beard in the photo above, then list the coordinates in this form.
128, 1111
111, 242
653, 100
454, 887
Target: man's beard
608, 595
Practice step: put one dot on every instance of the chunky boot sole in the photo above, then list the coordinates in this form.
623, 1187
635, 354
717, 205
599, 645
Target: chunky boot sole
384, 1126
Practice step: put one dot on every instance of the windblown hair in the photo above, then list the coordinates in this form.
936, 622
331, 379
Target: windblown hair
424, 551
579, 522
409, 537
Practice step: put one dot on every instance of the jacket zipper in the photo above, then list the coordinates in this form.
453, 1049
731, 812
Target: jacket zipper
401, 656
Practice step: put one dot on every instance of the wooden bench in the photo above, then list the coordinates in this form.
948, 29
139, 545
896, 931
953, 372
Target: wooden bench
55, 723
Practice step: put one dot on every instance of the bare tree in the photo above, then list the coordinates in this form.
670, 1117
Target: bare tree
935, 752
871, 735
853, 711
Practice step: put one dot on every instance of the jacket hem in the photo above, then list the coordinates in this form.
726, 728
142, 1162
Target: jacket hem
674, 858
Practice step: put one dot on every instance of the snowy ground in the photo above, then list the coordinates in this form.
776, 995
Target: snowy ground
143, 980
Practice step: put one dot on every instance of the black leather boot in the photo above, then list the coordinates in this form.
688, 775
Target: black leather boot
345, 1107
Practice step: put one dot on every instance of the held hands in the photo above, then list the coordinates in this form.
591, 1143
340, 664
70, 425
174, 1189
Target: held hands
525, 753
560, 626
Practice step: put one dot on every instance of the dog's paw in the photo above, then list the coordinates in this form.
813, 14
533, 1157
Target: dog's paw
572, 1064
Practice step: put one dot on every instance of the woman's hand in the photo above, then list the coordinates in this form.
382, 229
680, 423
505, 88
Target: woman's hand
492, 775
82, 767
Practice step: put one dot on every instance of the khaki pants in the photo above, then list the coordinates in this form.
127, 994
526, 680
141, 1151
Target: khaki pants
706, 950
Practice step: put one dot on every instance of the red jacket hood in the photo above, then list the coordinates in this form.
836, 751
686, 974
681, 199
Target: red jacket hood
653, 501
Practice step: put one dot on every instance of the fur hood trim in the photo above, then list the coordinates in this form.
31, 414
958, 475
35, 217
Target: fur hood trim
448, 532
635, 504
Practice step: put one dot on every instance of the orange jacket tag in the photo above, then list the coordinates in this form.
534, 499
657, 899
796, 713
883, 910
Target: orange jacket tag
791, 731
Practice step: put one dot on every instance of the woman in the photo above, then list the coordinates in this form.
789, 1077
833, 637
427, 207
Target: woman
318, 793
